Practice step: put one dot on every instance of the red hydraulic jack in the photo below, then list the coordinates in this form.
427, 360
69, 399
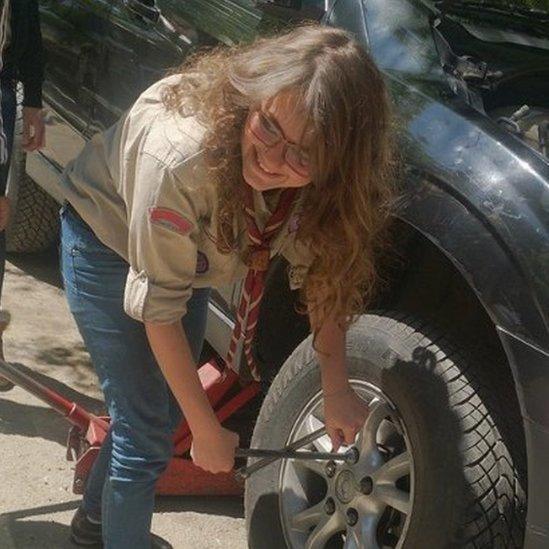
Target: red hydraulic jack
182, 477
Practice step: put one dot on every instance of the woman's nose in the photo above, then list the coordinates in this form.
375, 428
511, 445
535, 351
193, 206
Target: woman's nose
274, 155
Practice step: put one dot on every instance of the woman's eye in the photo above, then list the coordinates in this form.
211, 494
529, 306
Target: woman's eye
298, 161
268, 125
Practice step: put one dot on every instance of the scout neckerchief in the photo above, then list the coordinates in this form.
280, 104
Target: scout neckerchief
258, 263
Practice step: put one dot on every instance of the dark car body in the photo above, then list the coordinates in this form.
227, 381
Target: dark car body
475, 198
482, 197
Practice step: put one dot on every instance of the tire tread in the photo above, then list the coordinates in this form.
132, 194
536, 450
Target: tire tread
495, 517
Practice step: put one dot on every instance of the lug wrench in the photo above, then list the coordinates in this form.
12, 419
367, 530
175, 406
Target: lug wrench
291, 452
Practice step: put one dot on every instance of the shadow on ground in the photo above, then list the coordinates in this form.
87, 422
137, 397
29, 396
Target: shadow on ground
227, 506
26, 529
43, 266
19, 530
36, 421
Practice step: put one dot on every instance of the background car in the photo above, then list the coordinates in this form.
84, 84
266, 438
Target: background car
454, 354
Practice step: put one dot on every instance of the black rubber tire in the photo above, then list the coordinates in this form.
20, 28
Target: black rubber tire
468, 486
34, 224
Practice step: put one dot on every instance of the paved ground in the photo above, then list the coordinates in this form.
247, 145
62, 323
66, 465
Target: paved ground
36, 502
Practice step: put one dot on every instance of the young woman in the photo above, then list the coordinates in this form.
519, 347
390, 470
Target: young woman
276, 147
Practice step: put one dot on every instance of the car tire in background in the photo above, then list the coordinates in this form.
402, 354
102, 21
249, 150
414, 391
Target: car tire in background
34, 223
441, 463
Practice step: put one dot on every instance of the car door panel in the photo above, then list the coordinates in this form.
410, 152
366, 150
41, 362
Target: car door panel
139, 51
71, 34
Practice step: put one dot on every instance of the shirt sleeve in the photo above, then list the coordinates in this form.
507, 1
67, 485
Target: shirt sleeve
31, 66
162, 243
300, 259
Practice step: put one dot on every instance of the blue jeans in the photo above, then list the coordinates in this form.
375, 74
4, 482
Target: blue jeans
9, 107
144, 413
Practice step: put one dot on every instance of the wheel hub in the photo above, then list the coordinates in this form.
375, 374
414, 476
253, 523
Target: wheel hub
345, 486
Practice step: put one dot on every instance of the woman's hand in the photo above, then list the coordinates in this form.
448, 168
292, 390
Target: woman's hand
344, 412
33, 129
344, 416
213, 451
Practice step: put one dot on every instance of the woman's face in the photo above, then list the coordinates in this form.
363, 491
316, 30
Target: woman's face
275, 145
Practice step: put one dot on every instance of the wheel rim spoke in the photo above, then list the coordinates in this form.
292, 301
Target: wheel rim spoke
309, 517
393, 497
394, 469
364, 534
323, 443
352, 540
317, 467
387, 429
367, 438
324, 530
368, 531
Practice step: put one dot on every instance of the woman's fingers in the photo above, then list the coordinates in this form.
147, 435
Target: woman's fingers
336, 437
39, 132
214, 453
37, 141
41, 141
344, 415
349, 435
33, 129
340, 436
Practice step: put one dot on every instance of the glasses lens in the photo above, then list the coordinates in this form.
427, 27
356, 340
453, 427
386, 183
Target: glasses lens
297, 160
264, 129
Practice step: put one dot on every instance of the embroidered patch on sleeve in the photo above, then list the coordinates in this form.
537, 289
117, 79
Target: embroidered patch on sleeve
170, 219
202, 263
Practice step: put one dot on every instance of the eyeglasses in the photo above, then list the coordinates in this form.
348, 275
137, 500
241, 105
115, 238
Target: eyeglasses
270, 135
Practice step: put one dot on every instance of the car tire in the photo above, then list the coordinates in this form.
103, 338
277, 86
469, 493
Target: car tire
467, 485
34, 223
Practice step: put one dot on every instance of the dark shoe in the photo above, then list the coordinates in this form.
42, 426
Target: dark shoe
159, 543
84, 532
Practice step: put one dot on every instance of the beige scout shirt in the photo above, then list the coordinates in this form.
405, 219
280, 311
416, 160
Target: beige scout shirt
143, 188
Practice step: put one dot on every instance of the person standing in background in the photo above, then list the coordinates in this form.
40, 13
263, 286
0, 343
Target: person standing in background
21, 59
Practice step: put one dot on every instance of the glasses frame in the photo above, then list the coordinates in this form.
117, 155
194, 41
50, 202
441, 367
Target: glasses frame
288, 145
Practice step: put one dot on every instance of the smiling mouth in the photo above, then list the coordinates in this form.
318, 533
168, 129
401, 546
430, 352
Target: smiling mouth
262, 167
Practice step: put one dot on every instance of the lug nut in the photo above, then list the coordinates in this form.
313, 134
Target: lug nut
329, 506
354, 454
330, 469
366, 485
352, 517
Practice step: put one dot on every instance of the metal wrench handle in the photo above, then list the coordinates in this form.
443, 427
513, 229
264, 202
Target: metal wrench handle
245, 472
292, 454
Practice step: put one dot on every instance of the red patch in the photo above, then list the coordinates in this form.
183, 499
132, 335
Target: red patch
170, 219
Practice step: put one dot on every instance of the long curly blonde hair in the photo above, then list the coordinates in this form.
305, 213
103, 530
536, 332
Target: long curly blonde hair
347, 204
